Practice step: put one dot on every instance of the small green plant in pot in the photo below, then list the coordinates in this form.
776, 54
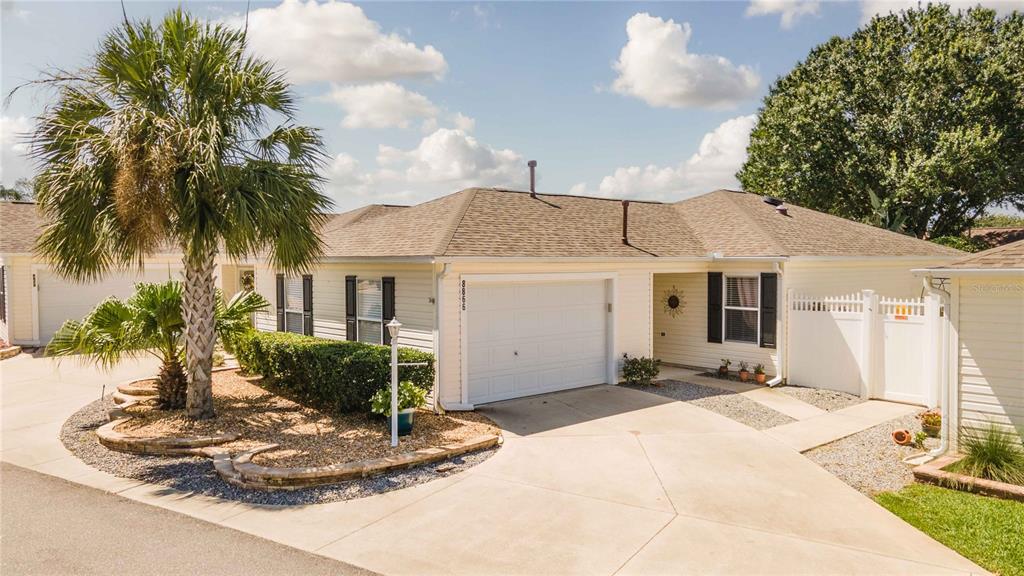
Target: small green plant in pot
723, 369
410, 397
931, 422
759, 374
744, 372
640, 371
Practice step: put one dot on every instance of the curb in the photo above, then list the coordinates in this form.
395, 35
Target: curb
933, 473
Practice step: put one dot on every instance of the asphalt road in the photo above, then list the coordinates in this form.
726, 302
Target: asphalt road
51, 526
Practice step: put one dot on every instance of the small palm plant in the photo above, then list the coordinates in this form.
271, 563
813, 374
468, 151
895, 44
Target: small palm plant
150, 322
992, 453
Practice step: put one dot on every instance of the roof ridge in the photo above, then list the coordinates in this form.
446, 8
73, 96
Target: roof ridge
782, 251
449, 234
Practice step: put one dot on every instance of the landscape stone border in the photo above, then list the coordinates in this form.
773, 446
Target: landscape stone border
933, 473
240, 471
9, 352
244, 473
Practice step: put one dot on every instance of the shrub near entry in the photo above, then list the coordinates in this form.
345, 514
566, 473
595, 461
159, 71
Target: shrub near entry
336, 375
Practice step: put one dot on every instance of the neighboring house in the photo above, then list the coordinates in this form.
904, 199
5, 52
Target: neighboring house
992, 237
520, 293
986, 363
35, 301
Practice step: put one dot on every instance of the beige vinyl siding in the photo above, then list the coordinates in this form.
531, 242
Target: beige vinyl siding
20, 317
683, 340
991, 335
886, 277
413, 291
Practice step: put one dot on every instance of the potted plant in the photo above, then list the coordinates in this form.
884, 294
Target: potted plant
723, 370
744, 372
410, 397
931, 422
759, 374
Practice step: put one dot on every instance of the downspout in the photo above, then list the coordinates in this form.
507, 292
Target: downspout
438, 300
944, 382
780, 339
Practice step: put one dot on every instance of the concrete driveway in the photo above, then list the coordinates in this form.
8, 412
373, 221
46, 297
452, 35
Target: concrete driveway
602, 480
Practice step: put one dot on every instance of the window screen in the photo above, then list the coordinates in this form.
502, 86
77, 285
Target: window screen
293, 294
369, 307
741, 309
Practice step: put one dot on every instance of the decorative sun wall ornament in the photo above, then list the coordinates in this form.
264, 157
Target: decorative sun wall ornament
673, 302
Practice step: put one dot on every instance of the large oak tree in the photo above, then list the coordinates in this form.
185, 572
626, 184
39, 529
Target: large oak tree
923, 110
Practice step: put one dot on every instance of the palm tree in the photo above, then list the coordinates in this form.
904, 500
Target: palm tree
174, 137
150, 322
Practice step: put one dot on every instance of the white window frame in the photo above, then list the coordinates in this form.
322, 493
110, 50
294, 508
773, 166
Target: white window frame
380, 282
725, 306
288, 310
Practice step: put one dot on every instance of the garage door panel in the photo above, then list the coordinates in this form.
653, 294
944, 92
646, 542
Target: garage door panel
531, 338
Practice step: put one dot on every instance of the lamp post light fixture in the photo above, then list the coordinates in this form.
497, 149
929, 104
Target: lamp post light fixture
394, 327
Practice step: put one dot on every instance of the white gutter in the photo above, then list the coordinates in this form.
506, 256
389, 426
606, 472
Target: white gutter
438, 300
950, 272
563, 259
944, 380
780, 339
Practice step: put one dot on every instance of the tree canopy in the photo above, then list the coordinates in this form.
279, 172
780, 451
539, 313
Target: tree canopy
922, 112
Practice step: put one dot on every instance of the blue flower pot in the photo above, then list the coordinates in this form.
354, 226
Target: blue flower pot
405, 419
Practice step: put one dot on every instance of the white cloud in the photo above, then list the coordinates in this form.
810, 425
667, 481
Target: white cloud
13, 149
463, 122
790, 10
714, 165
871, 8
443, 162
656, 67
381, 105
335, 42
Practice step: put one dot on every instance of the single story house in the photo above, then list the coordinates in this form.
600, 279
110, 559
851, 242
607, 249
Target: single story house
519, 293
35, 301
986, 361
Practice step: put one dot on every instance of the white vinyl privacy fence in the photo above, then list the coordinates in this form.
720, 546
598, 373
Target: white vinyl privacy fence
864, 344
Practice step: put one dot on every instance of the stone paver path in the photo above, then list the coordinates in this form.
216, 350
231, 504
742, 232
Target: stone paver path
831, 426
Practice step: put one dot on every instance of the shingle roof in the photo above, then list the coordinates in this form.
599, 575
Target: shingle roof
489, 222
1005, 257
20, 225
992, 237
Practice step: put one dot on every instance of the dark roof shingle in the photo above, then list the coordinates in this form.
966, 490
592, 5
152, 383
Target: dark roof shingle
1005, 257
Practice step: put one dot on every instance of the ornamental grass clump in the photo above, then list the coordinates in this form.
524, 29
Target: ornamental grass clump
993, 454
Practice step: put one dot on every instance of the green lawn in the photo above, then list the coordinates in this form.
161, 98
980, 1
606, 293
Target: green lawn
987, 530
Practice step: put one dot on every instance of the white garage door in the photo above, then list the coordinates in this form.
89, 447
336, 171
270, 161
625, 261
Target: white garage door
531, 338
61, 300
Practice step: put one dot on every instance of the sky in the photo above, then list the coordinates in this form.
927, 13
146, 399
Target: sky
418, 100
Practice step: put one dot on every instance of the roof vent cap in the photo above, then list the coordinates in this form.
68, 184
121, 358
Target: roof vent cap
782, 210
772, 200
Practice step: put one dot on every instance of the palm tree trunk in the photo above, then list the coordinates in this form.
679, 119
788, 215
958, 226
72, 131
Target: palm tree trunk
197, 304
172, 384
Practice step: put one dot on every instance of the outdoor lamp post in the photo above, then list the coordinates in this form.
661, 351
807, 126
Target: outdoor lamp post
393, 328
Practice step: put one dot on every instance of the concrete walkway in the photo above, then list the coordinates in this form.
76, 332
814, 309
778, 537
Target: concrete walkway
602, 480
813, 427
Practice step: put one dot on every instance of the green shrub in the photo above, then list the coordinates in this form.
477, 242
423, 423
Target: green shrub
409, 396
640, 371
993, 454
960, 243
330, 374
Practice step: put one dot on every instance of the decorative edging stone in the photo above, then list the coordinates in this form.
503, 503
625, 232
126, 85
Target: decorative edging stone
9, 352
155, 445
243, 472
933, 473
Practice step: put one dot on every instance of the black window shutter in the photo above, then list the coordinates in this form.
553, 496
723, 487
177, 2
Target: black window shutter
350, 307
280, 303
3, 294
769, 312
387, 286
715, 307
307, 304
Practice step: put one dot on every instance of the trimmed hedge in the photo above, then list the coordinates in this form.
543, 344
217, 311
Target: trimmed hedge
329, 374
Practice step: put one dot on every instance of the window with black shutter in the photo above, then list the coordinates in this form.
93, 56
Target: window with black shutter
3, 294
769, 305
714, 307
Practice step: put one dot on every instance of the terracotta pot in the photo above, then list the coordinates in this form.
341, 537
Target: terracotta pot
744, 375
932, 431
760, 377
723, 371
902, 437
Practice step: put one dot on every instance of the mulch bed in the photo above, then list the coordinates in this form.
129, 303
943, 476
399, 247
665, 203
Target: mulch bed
827, 400
307, 436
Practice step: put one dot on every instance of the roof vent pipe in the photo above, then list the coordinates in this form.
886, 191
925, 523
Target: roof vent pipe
782, 210
625, 222
533, 178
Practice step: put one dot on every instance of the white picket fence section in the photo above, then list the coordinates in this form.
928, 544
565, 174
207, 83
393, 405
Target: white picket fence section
867, 345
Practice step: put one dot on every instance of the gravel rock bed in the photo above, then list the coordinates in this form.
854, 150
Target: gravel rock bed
869, 460
827, 400
724, 402
196, 475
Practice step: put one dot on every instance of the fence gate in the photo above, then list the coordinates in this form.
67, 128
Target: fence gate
867, 345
